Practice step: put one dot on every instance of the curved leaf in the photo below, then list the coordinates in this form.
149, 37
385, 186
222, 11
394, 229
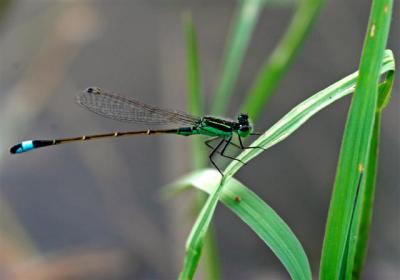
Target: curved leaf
258, 215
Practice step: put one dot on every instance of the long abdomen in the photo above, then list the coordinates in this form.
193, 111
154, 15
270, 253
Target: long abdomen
34, 144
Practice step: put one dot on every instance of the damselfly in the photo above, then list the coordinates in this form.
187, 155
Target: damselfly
130, 110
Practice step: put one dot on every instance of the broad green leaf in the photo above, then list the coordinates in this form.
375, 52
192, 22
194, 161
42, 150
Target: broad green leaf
260, 217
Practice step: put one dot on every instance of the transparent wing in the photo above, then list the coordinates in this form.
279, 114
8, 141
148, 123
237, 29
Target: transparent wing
130, 110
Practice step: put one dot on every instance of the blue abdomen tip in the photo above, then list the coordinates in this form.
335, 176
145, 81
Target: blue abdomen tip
22, 147
27, 146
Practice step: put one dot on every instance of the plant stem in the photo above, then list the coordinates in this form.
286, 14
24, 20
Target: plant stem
195, 106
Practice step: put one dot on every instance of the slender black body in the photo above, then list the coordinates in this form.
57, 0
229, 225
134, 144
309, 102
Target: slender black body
130, 110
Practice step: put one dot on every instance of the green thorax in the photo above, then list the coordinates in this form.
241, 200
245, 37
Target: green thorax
216, 127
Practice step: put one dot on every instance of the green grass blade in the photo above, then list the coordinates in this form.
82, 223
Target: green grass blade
354, 154
195, 100
385, 91
302, 112
260, 217
242, 28
278, 132
194, 244
287, 125
195, 107
362, 225
277, 64
367, 200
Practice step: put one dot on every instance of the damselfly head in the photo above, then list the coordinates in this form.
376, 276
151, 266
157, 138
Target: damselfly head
95, 90
243, 119
245, 127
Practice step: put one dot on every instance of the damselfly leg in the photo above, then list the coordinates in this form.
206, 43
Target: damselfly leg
248, 147
222, 152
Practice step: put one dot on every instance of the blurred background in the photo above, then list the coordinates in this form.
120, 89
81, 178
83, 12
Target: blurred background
95, 210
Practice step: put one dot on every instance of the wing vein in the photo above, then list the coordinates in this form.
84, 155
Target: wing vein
126, 109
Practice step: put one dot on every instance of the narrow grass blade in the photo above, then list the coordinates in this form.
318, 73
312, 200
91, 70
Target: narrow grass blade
195, 107
302, 112
355, 152
278, 132
194, 244
370, 185
260, 217
242, 28
361, 226
195, 100
277, 64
